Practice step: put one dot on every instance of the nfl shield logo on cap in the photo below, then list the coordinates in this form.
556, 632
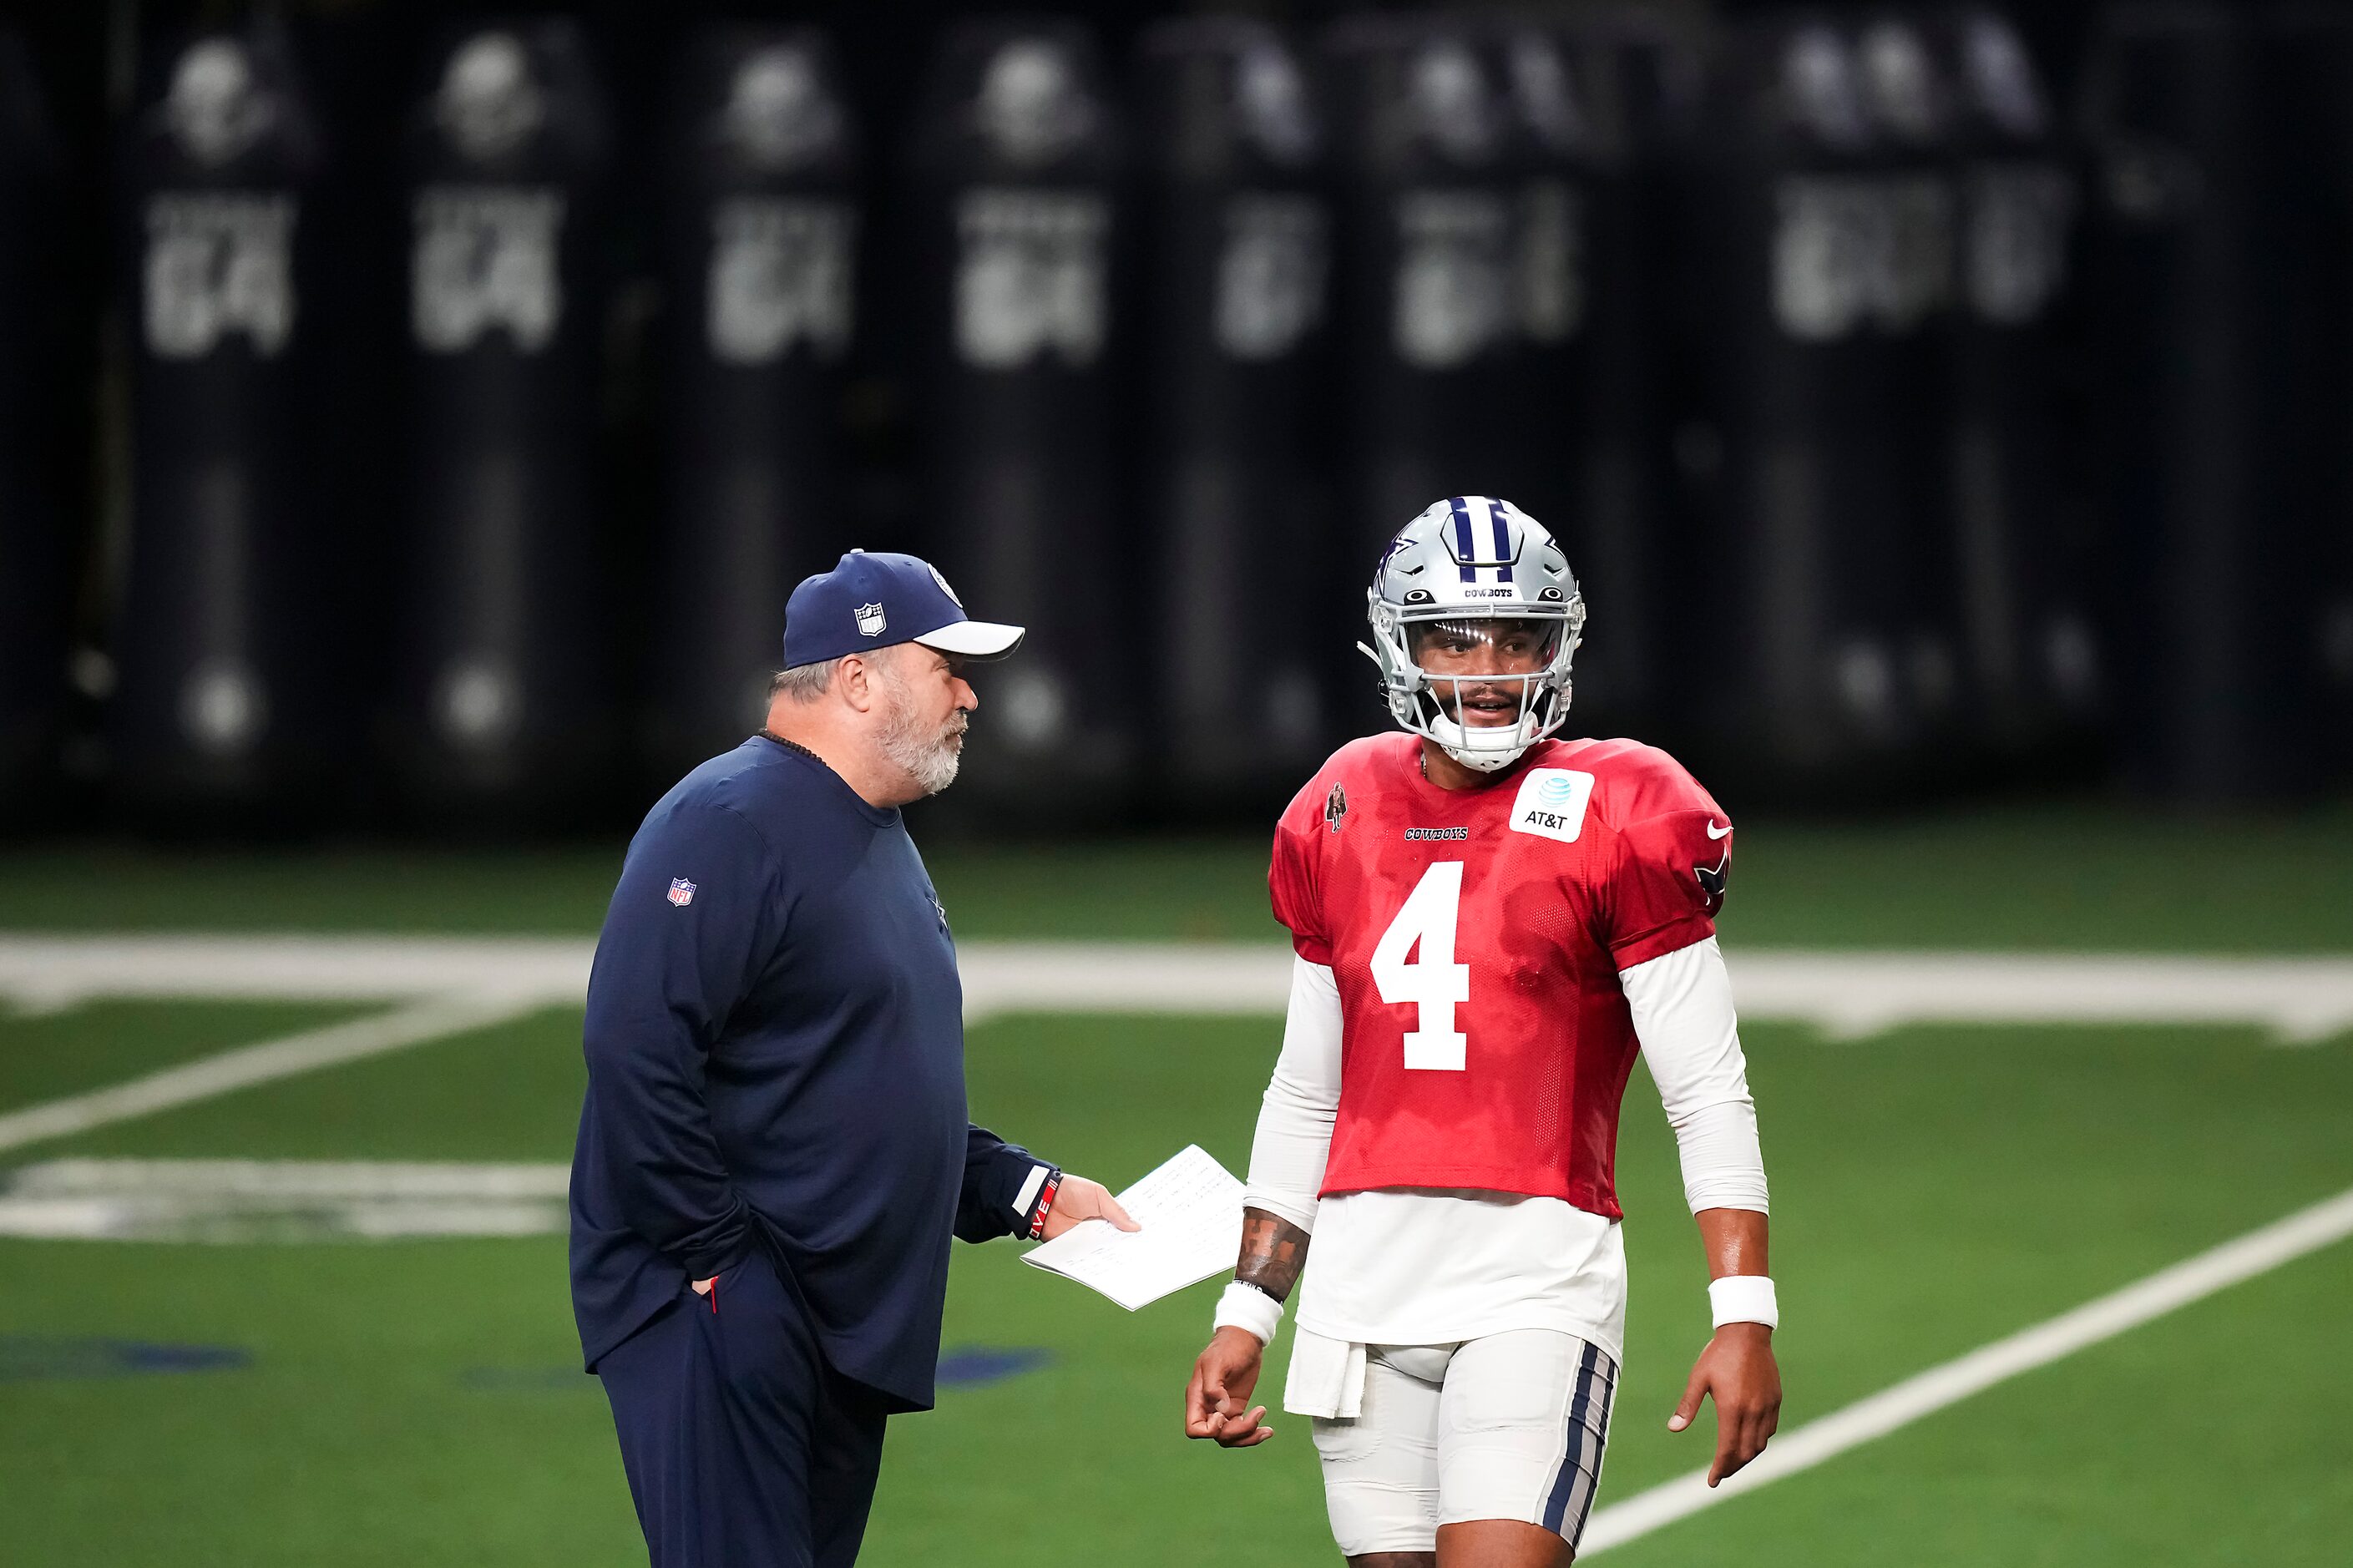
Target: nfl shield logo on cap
880, 598
682, 891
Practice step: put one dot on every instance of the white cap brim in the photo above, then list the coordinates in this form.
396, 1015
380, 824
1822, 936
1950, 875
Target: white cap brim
975, 639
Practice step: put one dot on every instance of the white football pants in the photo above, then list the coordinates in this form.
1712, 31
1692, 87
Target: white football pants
1508, 1427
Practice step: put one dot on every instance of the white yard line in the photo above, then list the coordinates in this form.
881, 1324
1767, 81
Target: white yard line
447, 985
1858, 995
44, 972
264, 1180
248, 1065
2192, 1279
1847, 994
248, 1200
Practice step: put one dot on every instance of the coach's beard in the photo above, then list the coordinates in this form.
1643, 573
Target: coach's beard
928, 756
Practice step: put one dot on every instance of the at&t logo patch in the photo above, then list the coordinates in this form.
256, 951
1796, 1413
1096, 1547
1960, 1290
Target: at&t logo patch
1551, 803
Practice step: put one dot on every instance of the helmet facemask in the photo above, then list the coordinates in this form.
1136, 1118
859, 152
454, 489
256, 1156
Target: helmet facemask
1485, 688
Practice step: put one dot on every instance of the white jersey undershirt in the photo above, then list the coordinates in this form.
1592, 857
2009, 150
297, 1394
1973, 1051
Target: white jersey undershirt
1426, 1266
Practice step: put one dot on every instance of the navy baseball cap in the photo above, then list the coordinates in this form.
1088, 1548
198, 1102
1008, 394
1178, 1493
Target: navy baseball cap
874, 598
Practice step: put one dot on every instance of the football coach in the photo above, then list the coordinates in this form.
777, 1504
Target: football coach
774, 1148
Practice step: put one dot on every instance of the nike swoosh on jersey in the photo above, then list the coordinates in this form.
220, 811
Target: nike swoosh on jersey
1715, 832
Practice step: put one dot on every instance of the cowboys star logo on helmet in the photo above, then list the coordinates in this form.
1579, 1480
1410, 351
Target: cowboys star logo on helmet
1467, 563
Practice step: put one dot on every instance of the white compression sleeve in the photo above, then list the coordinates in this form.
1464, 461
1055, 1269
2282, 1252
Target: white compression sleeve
1294, 1120
1682, 1012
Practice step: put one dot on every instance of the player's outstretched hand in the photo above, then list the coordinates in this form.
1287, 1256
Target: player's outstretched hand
1079, 1199
1737, 1368
1217, 1402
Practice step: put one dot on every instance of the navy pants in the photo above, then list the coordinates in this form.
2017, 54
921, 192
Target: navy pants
744, 1448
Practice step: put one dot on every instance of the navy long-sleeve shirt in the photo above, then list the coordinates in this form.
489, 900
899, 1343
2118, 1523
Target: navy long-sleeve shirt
775, 1059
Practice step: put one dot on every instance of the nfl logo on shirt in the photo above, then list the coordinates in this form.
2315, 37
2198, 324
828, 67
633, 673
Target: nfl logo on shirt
870, 620
682, 891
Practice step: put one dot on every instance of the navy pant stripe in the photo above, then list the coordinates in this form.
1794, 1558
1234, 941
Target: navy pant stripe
1572, 1460
1601, 1447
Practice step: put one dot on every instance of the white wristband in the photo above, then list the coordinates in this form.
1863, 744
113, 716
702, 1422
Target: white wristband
1744, 1298
1249, 1309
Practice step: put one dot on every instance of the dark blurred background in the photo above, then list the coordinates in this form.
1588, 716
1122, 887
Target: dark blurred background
413, 417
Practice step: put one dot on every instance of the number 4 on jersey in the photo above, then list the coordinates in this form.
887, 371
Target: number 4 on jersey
1431, 980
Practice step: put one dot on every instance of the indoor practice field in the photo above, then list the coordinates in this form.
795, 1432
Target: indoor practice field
255, 1383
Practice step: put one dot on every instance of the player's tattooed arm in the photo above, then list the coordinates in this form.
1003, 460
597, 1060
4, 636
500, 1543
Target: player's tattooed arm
1273, 1252
1218, 1400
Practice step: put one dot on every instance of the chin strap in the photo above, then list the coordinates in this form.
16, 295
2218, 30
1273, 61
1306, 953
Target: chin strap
1483, 758
1484, 762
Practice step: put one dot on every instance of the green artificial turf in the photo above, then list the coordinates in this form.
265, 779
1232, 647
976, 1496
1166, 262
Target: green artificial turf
2079, 878
1934, 1189
410, 1403
511, 1091
48, 1056
2213, 1438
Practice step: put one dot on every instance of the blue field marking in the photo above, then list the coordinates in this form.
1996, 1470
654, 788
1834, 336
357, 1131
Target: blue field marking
967, 1365
32, 1359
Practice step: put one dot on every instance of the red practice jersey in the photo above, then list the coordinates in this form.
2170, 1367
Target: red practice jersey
1476, 936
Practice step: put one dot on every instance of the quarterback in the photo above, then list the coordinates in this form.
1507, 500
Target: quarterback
1489, 923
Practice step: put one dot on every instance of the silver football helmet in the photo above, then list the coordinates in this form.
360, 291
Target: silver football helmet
1466, 560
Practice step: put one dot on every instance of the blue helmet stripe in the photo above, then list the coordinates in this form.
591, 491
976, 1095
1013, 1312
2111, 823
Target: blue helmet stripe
1503, 540
1463, 548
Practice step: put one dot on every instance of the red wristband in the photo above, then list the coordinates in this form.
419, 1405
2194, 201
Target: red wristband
1045, 1205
